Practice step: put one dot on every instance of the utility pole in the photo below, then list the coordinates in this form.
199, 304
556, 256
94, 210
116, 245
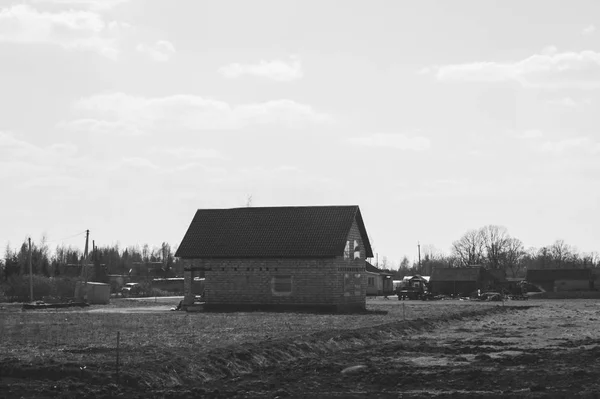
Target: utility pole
30, 274
419, 246
85, 258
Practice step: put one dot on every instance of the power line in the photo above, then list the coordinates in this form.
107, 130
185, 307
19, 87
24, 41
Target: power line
67, 238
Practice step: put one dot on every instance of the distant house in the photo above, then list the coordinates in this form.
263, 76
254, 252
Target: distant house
278, 257
378, 281
460, 280
554, 280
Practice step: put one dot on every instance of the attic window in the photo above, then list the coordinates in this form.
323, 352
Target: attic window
356, 250
347, 251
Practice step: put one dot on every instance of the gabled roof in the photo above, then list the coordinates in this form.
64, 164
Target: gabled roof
272, 232
558, 274
456, 274
372, 269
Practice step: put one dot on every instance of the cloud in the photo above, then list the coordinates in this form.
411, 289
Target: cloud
142, 114
276, 69
550, 69
578, 143
396, 141
101, 127
187, 153
570, 103
91, 4
588, 30
30, 166
529, 134
138, 162
161, 51
73, 30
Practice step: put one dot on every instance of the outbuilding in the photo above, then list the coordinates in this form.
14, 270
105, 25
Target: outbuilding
379, 282
460, 280
554, 280
307, 257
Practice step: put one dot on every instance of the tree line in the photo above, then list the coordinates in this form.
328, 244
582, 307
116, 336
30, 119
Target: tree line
106, 259
490, 246
493, 247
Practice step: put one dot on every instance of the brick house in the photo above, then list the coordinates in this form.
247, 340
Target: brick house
278, 258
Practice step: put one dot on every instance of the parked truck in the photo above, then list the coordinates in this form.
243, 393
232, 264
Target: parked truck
416, 290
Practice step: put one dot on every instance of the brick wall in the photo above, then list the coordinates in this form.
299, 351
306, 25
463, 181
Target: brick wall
333, 283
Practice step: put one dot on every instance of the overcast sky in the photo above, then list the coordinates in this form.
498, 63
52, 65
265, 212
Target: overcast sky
436, 117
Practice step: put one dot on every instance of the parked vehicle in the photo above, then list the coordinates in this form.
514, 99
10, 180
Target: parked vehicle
408, 292
131, 289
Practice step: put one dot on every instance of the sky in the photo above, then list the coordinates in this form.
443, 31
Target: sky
435, 117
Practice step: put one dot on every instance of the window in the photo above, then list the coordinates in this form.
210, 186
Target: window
281, 285
347, 250
371, 281
356, 250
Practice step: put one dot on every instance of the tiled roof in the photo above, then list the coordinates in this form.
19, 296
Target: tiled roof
558, 274
273, 232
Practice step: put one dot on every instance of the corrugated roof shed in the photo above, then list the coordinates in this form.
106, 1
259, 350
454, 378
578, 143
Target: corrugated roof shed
272, 232
558, 274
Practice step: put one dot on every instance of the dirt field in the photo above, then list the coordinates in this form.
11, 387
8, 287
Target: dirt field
536, 348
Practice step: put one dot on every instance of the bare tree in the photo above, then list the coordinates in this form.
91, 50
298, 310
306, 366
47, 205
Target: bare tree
384, 262
496, 239
513, 256
590, 259
469, 249
561, 253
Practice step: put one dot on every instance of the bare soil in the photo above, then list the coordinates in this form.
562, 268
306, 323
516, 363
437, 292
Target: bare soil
529, 349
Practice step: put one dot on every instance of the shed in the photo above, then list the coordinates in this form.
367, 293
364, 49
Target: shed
97, 293
555, 280
460, 280
379, 282
278, 257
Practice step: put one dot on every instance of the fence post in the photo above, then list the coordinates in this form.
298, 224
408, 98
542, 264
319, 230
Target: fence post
118, 339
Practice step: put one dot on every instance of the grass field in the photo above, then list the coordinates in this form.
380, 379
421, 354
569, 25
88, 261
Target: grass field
50, 353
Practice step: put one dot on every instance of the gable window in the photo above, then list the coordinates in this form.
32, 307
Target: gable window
356, 250
281, 285
347, 251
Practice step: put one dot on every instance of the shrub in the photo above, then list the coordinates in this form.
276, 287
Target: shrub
16, 288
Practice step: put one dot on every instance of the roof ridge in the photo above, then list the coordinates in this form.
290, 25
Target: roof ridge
280, 207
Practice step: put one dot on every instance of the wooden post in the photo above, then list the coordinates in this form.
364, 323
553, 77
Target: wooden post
85, 258
30, 274
118, 338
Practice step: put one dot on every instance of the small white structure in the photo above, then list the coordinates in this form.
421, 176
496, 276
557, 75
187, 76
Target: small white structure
97, 293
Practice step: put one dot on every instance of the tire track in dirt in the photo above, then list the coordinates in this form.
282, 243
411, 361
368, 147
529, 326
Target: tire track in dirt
500, 354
